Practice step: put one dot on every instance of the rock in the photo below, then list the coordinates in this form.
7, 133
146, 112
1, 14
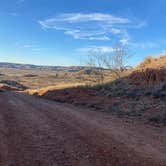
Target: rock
12, 85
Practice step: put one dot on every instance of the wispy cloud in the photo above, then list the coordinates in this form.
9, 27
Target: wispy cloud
92, 26
124, 41
145, 44
96, 49
110, 49
27, 46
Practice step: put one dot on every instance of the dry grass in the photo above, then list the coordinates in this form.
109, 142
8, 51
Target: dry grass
153, 63
42, 91
150, 72
39, 79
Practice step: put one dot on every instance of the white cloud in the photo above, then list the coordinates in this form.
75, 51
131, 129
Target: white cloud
90, 35
116, 31
99, 38
124, 41
144, 45
27, 46
92, 26
97, 49
81, 17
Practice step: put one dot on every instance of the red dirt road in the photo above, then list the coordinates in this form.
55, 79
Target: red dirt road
38, 132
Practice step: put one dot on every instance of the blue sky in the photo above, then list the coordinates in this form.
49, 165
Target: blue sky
62, 32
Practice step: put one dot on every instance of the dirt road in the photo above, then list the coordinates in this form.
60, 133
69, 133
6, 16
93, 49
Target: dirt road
38, 132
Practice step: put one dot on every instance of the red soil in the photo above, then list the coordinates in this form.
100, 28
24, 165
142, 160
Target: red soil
39, 132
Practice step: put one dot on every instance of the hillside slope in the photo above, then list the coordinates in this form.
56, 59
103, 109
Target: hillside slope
151, 72
140, 95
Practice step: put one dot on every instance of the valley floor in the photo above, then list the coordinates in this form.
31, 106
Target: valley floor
39, 132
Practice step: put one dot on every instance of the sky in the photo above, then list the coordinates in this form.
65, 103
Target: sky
63, 32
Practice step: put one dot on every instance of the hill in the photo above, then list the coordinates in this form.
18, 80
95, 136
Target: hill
139, 95
35, 77
38, 67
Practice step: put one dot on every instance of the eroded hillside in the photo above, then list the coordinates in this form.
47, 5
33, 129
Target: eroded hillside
140, 95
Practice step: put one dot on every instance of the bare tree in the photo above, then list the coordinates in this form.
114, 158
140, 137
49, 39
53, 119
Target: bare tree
115, 60
118, 59
96, 63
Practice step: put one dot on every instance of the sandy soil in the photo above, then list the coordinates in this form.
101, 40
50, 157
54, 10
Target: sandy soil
38, 132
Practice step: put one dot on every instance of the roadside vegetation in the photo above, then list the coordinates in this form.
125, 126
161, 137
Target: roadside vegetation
139, 94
